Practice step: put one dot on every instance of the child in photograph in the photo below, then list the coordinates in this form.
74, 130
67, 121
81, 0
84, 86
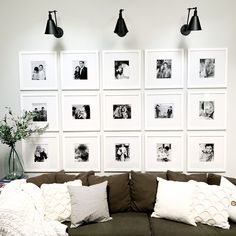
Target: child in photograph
207, 154
35, 75
206, 110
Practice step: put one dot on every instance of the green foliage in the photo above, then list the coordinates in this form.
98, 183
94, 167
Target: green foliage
15, 128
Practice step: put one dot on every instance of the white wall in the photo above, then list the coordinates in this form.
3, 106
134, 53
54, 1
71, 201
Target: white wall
89, 25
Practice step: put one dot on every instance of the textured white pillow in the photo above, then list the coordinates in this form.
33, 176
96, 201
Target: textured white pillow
232, 189
57, 201
211, 203
89, 204
174, 201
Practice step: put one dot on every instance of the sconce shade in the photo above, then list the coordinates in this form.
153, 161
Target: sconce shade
121, 29
51, 27
194, 23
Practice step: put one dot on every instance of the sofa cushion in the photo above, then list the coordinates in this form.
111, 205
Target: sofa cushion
163, 227
177, 176
143, 187
232, 189
89, 204
48, 178
211, 204
62, 178
214, 179
56, 199
118, 191
174, 201
122, 224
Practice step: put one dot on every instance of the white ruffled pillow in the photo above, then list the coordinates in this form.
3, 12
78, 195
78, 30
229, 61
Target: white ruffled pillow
57, 200
211, 203
174, 201
232, 189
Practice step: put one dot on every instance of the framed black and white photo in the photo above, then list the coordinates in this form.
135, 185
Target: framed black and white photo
81, 111
206, 151
164, 151
81, 151
122, 151
207, 109
164, 68
121, 69
79, 70
38, 70
207, 68
122, 110
44, 106
164, 110
41, 153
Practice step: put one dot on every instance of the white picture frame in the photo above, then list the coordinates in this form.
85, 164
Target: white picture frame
164, 151
75, 78
81, 111
121, 69
207, 109
45, 107
34, 149
81, 151
38, 70
207, 68
164, 68
164, 110
206, 151
122, 151
121, 110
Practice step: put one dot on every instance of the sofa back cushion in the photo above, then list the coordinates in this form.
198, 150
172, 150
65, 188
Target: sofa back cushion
117, 190
177, 176
214, 179
62, 178
48, 178
143, 187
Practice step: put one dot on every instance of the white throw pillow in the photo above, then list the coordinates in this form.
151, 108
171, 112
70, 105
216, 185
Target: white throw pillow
89, 204
211, 203
174, 201
57, 201
232, 188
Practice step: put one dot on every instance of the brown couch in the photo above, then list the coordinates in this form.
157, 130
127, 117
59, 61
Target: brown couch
131, 199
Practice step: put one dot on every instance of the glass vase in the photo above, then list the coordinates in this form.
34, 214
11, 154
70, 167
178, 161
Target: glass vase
15, 166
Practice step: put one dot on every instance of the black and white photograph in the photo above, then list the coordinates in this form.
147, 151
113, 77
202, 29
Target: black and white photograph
80, 70
81, 111
207, 68
38, 69
41, 153
122, 111
163, 110
122, 152
81, 153
121, 69
163, 69
206, 110
164, 152
206, 152
40, 112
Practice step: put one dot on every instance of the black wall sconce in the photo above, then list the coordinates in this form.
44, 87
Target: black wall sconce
194, 23
51, 27
121, 29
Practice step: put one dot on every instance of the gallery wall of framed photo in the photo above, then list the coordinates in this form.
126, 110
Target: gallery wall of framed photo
116, 111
